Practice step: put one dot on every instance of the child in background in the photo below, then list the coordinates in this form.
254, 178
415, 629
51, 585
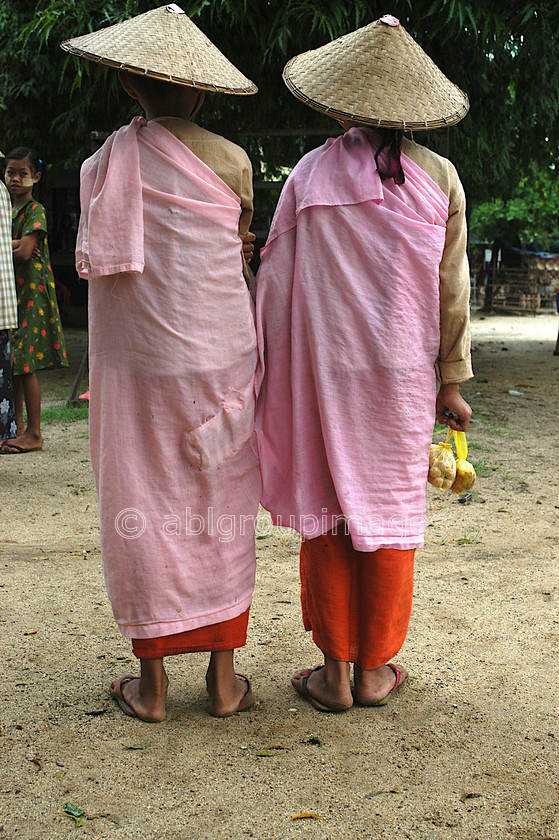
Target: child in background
38, 341
8, 316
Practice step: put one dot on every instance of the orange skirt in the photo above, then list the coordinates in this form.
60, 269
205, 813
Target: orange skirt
226, 635
356, 603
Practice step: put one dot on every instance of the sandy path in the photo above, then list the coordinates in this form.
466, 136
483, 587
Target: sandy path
468, 749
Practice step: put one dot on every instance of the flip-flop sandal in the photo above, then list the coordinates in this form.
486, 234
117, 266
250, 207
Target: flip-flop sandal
304, 692
399, 680
248, 698
13, 449
117, 695
246, 701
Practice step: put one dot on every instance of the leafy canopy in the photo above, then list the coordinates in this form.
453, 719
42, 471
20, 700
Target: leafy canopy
529, 217
503, 55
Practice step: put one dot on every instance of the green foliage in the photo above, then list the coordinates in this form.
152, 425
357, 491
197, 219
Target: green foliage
503, 55
64, 413
530, 215
483, 468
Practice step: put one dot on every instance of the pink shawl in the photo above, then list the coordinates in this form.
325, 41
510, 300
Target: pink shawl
348, 333
172, 361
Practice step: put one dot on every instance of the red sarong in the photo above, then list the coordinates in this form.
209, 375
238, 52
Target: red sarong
225, 635
356, 603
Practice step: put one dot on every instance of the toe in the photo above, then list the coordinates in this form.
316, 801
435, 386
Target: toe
399, 674
299, 676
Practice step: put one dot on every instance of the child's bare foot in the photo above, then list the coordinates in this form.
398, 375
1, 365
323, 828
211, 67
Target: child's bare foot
373, 686
27, 442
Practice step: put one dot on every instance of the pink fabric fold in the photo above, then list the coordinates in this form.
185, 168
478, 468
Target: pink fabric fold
172, 360
316, 183
111, 230
348, 331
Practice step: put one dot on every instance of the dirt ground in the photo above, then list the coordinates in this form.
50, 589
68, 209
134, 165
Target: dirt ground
469, 748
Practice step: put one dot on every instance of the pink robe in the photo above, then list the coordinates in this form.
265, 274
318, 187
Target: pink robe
172, 361
348, 330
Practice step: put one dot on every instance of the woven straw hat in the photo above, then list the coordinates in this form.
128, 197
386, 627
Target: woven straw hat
379, 76
164, 44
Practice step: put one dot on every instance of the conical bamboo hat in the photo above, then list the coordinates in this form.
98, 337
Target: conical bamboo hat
164, 44
379, 76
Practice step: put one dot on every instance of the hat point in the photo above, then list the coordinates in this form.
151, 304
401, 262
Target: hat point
390, 20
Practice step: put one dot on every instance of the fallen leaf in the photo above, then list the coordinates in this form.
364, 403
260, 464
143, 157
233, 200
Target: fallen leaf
307, 815
261, 753
77, 820
75, 813
380, 793
470, 796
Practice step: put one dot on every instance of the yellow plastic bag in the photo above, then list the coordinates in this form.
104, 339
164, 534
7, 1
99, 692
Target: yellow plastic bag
465, 473
442, 466
448, 473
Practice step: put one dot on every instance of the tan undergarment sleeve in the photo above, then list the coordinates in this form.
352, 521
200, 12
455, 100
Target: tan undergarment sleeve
454, 363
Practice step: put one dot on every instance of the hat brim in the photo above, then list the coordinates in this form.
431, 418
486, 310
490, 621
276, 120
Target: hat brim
164, 77
377, 76
163, 44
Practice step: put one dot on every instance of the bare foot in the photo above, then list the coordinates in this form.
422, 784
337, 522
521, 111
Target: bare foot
327, 689
373, 686
26, 442
138, 699
228, 696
